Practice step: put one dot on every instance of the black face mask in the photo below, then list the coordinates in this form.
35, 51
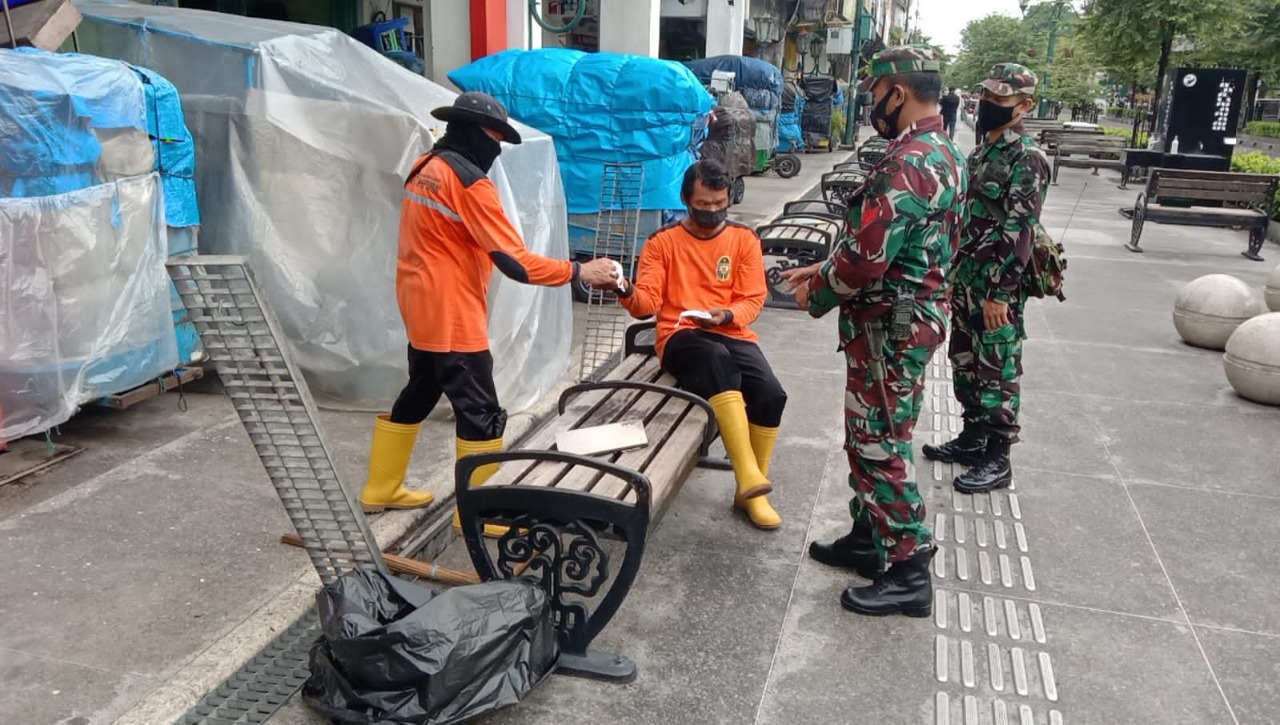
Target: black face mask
709, 218
992, 117
473, 142
886, 124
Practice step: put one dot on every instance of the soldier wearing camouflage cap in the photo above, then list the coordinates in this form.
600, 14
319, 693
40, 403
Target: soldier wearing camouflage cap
1009, 177
887, 278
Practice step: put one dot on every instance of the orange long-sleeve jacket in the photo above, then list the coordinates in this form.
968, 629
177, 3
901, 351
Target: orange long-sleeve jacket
679, 272
453, 231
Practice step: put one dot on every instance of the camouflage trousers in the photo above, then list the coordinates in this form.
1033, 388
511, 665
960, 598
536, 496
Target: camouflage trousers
987, 366
881, 462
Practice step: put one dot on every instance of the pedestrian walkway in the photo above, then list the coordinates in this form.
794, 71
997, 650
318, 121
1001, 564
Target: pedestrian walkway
1126, 578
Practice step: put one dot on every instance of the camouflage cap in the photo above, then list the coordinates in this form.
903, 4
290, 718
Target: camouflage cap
1007, 79
900, 59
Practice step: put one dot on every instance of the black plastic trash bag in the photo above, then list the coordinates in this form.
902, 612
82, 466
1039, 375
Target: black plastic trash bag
395, 652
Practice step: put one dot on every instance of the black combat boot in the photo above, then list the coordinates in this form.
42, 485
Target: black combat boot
966, 449
906, 588
995, 470
855, 550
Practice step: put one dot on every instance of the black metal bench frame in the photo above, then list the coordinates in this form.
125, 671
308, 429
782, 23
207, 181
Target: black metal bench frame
1145, 209
555, 535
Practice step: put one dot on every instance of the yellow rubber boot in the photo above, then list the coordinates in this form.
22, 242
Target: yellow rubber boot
731, 416
479, 476
758, 509
388, 462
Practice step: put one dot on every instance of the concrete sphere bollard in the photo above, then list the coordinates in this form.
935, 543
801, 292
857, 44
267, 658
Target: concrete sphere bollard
1208, 309
1272, 290
1252, 359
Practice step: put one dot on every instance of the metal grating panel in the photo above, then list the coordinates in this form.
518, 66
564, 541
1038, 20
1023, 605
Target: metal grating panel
243, 338
264, 684
617, 228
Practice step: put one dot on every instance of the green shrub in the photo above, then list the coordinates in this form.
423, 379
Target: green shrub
1255, 162
1263, 128
1143, 136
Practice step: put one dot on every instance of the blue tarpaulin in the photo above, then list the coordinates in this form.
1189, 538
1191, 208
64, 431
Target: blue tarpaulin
601, 108
61, 112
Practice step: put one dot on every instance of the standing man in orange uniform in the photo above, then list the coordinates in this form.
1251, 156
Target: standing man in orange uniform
453, 232
715, 266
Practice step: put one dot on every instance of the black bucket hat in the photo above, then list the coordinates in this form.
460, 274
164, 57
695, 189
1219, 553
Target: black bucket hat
481, 109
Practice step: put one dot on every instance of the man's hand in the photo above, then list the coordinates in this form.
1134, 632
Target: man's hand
995, 315
718, 318
798, 278
599, 273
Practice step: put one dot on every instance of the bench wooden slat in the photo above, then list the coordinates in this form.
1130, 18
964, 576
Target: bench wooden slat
576, 415
666, 417
1247, 191
623, 406
1156, 212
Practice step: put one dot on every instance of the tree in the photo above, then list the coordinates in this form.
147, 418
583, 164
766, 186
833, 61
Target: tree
1074, 79
1134, 38
985, 42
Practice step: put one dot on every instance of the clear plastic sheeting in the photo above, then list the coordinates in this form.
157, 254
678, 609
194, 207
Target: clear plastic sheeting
303, 139
85, 310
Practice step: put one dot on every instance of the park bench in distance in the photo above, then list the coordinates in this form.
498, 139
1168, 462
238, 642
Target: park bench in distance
1207, 198
1090, 152
580, 523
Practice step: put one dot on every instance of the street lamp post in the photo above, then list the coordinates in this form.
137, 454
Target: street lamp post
1058, 7
851, 103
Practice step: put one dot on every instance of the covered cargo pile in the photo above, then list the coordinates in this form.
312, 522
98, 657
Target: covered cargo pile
730, 136
790, 134
304, 138
86, 223
815, 118
760, 83
602, 108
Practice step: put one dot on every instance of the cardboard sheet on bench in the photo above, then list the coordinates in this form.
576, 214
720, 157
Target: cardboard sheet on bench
599, 439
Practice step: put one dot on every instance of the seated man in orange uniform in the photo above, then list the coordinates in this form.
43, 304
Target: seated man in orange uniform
453, 232
712, 265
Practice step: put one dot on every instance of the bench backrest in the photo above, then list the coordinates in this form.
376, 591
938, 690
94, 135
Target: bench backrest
1053, 136
1096, 144
1257, 190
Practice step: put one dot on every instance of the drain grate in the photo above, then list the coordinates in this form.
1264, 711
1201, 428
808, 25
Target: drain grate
263, 684
243, 340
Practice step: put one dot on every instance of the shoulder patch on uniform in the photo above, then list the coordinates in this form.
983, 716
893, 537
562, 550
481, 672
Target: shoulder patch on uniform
468, 173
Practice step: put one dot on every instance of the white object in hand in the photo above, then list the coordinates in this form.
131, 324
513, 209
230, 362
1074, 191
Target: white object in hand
617, 273
695, 314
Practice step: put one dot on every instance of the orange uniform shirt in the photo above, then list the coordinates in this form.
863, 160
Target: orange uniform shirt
679, 272
453, 230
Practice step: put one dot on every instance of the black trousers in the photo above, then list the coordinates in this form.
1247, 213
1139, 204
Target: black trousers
466, 378
707, 364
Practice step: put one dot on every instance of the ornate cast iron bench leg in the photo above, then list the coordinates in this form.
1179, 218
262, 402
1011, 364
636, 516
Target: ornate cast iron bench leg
556, 532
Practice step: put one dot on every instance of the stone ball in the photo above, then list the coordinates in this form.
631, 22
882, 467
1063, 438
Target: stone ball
1208, 309
1272, 290
1252, 359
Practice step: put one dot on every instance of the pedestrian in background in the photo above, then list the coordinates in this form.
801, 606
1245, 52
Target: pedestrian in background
950, 107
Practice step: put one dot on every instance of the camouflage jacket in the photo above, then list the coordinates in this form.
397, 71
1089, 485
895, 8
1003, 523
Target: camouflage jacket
1011, 175
903, 237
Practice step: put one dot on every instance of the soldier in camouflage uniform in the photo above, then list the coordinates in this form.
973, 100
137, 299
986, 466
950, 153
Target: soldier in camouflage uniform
888, 278
1008, 179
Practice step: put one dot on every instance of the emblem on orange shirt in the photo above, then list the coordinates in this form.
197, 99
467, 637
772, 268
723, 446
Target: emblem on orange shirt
722, 269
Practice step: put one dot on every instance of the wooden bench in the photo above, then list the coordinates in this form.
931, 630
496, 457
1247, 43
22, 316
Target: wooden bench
1034, 126
789, 243
1093, 152
1233, 200
1050, 138
571, 517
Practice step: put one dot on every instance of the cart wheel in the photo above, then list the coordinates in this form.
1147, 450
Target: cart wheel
787, 165
737, 191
